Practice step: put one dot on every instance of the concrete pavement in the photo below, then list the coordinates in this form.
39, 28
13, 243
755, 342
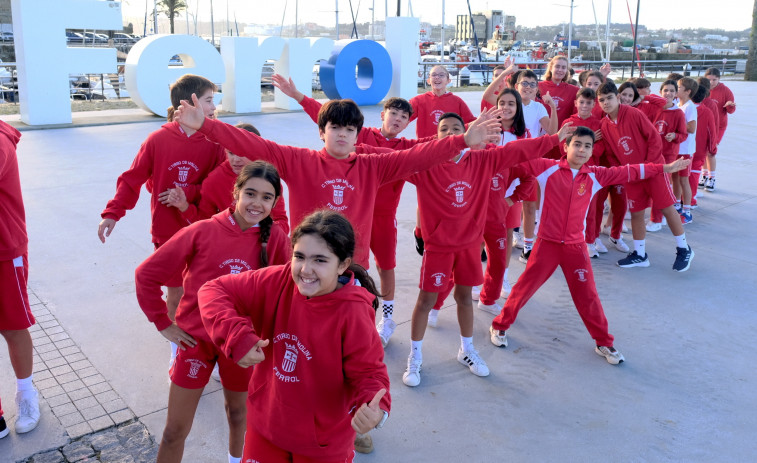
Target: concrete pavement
685, 393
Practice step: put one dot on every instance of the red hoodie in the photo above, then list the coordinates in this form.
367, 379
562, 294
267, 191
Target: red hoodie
317, 180
651, 106
721, 95
715, 110
565, 198
671, 120
13, 238
501, 182
216, 195
564, 95
169, 159
594, 124
707, 133
324, 358
205, 250
428, 107
453, 197
631, 139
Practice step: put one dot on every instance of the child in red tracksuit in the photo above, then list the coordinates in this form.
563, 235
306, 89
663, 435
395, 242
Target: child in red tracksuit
15, 313
173, 156
428, 107
336, 177
632, 139
671, 125
725, 102
556, 84
239, 239
707, 132
308, 328
395, 118
216, 191
450, 198
567, 188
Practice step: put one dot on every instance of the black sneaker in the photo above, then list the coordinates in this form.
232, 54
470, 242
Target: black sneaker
524, 255
709, 186
483, 255
3, 428
683, 259
702, 182
634, 260
418, 244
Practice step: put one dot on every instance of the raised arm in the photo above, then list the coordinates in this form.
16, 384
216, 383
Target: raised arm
287, 87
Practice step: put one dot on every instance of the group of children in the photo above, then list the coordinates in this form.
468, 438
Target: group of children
243, 291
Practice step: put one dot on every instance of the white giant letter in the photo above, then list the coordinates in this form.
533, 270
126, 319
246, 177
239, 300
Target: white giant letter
297, 62
44, 59
244, 59
148, 75
402, 45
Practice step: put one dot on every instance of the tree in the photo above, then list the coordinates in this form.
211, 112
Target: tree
171, 8
751, 62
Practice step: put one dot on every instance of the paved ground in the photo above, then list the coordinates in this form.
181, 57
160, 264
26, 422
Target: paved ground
685, 393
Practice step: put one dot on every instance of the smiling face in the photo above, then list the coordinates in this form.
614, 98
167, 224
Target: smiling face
668, 92
394, 121
584, 106
626, 96
339, 140
559, 69
579, 151
527, 88
593, 82
315, 268
254, 202
438, 79
509, 107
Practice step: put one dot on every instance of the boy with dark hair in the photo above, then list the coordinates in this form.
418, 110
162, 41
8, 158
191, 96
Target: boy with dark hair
632, 139
568, 186
15, 314
723, 98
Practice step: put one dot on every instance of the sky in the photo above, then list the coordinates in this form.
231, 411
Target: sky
657, 14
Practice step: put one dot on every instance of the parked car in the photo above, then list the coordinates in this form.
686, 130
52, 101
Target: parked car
122, 37
91, 38
6, 36
74, 37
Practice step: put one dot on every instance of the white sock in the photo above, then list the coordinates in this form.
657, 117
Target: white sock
387, 308
506, 269
640, 246
25, 384
711, 174
466, 343
681, 241
174, 350
416, 349
528, 244
705, 172
234, 459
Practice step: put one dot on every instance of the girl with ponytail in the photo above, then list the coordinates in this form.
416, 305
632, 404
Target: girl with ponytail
241, 238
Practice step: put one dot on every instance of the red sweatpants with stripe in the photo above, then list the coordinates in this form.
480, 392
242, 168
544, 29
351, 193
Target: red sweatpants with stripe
618, 206
575, 263
495, 240
696, 172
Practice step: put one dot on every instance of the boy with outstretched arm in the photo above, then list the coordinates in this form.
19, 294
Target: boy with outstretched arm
568, 186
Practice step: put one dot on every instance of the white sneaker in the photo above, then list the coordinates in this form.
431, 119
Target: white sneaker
518, 240
628, 215
610, 354
216, 375
498, 338
4, 431
473, 361
506, 289
624, 229
433, 317
653, 226
606, 230
412, 375
475, 292
664, 221
600, 246
28, 411
592, 250
385, 330
620, 245
493, 309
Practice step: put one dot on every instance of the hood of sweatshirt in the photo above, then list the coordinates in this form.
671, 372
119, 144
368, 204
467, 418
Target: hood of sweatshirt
10, 133
229, 223
175, 130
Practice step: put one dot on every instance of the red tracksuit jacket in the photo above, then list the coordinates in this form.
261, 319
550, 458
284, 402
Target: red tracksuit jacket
324, 358
565, 198
205, 250
501, 182
721, 95
316, 180
453, 196
216, 195
168, 158
715, 110
707, 133
594, 124
427, 108
564, 95
671, 120
13, 238
632, 139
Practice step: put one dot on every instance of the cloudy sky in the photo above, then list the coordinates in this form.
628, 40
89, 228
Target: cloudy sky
657, 14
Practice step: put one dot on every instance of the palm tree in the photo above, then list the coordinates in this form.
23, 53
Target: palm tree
751, 62
171, 8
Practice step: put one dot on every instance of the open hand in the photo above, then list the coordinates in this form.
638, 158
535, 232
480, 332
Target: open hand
174, 197
287, 87
190, 114
105, 228
678, 164
485, 129
178, 336
565, 130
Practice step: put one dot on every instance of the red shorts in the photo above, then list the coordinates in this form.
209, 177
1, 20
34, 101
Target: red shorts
15, 313
192, 368
463, 266
177, 280
641, 194
258, 449
512, 220
384, 241
687, 170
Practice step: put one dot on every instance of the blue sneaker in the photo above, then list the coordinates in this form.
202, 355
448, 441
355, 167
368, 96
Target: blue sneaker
634, 260
679, 207
686, 218
683, 259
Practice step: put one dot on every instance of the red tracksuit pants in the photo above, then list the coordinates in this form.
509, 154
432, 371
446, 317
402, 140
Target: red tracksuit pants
495, 239
618, 205
575, 263
696, 172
